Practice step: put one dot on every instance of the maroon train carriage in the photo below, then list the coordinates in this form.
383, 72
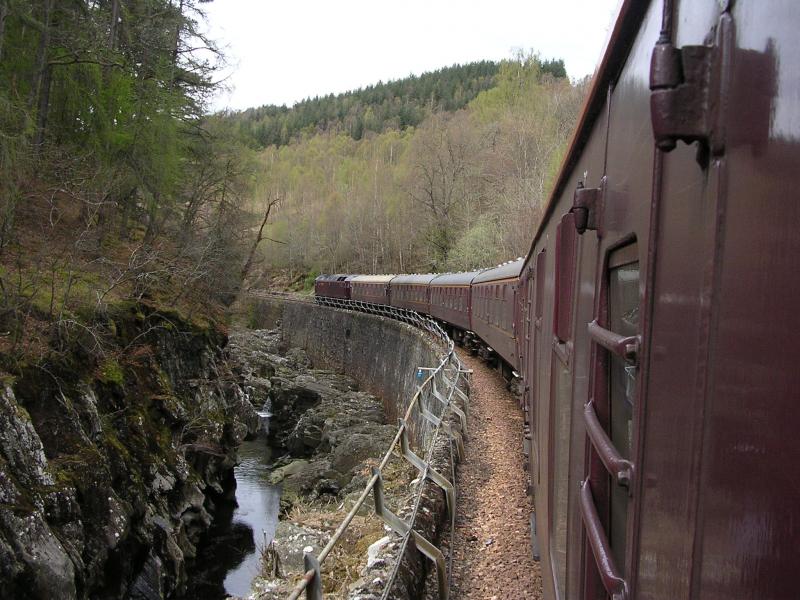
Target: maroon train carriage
494, 307
656, 315
370, 288
333, 286
659, 298
412, 292
450, 301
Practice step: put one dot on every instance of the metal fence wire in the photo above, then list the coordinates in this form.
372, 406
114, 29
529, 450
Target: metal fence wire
440, 387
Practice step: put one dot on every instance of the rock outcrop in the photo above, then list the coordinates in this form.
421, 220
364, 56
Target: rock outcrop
320, 422
327, 433
384, 357
109, 468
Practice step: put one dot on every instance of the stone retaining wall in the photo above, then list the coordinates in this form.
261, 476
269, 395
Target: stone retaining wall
383, 356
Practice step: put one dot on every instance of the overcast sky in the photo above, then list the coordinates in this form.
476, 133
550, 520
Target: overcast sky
280, 52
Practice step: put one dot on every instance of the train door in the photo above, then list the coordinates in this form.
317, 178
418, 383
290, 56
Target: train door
608, 499
722, 374
527, 286
533, 355
560, 398
516, 328
604, 498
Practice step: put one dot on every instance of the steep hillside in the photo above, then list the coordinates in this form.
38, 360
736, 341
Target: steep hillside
376, 108
460, 189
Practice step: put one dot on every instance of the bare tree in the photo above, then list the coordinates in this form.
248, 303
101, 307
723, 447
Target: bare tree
445, 178
271, 203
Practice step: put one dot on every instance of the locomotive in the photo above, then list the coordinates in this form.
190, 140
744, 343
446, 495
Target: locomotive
653, 323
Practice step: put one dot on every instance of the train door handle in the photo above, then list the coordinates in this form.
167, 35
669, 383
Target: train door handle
613, 582
625, 347
620, 468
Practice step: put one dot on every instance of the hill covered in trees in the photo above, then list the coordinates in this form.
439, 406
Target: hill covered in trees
116, 184
459, 189
395, 105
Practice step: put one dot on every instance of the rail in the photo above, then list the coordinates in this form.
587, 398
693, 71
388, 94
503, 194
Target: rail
440, 385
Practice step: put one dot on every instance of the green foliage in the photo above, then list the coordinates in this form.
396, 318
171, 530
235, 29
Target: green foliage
554, 67
458, 190
477, 247
111, 372
308, 282
114, 183
376, 108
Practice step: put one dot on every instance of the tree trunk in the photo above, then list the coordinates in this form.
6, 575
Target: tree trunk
249, 263
112, 30
152, 218
3, 15
44, 106
177, 43
41, 85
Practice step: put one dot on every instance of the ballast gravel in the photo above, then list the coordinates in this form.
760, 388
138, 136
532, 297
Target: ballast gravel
492, 555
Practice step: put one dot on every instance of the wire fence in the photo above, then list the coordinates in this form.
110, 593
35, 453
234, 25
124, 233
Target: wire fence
436, 402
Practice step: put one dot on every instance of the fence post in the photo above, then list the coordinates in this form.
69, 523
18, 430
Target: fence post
314, 587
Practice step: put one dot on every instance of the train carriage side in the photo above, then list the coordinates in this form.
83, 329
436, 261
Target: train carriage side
450, 301
412, 292
333, 286
588, 264
494, 308
371, 288
657, 290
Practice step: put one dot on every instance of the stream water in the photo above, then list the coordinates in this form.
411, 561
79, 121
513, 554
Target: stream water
230, 557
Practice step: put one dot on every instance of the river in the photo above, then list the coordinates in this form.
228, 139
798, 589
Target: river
229, 557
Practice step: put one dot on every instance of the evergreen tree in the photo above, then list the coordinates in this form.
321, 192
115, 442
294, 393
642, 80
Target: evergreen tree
375, 108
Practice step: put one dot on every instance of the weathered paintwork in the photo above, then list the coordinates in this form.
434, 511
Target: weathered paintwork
709, 235
370, 288
333, 286
412, 292
450, 298
493, 309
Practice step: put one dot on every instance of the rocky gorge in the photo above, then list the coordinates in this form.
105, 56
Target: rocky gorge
387, 358
113, 468
110, 466
326, 434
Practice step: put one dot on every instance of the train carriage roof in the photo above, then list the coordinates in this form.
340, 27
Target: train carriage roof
507, 270
414, 279
618, 44
335, 277
372, 278
464, 279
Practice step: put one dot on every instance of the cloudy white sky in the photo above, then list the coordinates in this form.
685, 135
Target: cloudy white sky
280, 52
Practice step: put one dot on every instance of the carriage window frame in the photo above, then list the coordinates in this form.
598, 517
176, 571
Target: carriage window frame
539, 275
566, 269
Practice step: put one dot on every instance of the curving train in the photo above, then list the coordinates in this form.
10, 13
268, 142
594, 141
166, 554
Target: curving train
654, 322
478, 309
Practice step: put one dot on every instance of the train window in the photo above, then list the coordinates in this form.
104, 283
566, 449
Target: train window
623, 319
540, 265
566, 246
